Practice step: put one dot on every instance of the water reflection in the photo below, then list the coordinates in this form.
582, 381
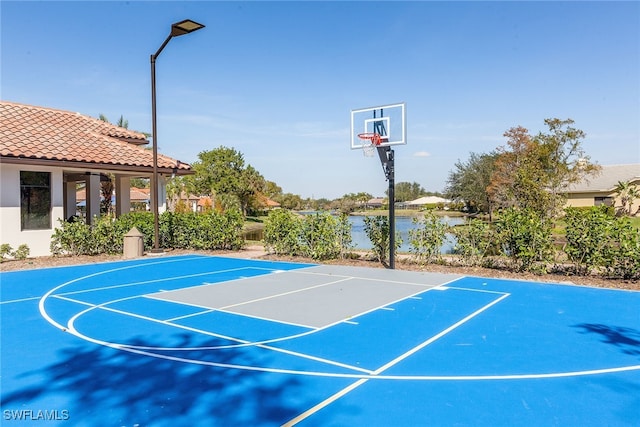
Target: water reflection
403, 225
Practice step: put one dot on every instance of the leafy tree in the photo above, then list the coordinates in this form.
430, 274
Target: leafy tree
221, 173
470, 181
251, 185
628, 194
535, 172
564, 160
177, 187
289, 201
271, 189
406, 191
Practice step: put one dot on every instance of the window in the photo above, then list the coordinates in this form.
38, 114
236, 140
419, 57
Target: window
35, 200
603, 201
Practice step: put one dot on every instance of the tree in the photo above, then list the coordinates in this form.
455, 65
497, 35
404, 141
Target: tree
251, 184
535, 172
628, 194
518, 178
289, 201
564, 160
405, 191
271, 189
221, 173
470, 181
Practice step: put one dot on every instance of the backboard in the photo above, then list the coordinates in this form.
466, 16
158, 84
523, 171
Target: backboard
389, 121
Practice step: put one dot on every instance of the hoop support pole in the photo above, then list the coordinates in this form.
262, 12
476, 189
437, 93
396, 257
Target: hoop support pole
388, 166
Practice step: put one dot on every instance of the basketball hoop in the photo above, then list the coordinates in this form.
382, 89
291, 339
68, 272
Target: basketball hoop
368, 149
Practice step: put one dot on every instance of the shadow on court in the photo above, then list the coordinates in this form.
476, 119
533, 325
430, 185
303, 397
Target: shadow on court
627, 339
105, 386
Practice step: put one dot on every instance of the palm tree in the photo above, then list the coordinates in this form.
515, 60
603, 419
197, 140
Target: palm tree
628, 194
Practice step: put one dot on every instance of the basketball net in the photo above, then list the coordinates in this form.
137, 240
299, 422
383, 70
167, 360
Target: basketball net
371, 141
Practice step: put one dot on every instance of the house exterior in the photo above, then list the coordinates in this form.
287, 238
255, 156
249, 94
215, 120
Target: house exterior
45, 152
601, 189
422, 202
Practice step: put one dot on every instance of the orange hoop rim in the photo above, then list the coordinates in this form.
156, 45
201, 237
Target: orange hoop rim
375, 138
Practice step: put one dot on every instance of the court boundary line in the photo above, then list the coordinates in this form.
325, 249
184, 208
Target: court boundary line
134, 350
424, 285
309, 412
265, 343
186, 276
71, 328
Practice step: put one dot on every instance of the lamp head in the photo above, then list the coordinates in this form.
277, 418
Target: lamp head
185, 27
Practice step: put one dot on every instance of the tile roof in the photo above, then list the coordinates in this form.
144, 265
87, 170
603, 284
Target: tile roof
31, 132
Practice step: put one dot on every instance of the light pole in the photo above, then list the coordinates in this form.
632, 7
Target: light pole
183, 27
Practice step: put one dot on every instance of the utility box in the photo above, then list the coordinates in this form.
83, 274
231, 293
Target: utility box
133, 244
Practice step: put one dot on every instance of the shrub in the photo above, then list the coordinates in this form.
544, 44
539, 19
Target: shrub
525, 237
622, 254
72, 238
182, 230
377, 230
474, 241
588, 233
21, 253
281, 231
319, 236
5, 249
427, 237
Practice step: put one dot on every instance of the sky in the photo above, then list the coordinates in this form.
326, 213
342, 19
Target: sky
277, 81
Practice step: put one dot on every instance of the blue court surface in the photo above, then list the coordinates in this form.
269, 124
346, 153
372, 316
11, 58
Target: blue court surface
214, 341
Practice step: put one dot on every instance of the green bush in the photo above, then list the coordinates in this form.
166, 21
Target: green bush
525, 238
5, 249
622, 254
319, 236
426, 237
474, 241
588, 233
21, 253
210, 230
281, 232
597, 239
377, 230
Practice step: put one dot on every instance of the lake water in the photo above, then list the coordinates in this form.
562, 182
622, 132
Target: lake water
361, 241
403, 225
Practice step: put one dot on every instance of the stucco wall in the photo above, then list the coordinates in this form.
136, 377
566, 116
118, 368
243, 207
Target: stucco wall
10, 228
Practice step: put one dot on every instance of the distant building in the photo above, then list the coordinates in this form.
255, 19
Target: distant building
422, 202
45, 152
601, 189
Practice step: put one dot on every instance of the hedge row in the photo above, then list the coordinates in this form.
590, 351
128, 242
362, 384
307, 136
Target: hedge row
318, 236
210, 231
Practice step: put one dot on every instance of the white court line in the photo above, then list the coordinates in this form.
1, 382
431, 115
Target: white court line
164, 279
186, 316
390, 364
284, 293
92, 275
19, 300
71, 328
364, 377
373, 279
268, 319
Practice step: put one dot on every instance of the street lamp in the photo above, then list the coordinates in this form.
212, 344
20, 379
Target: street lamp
183, 27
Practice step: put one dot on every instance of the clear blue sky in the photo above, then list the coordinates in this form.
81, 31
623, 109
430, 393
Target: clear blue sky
277, 80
